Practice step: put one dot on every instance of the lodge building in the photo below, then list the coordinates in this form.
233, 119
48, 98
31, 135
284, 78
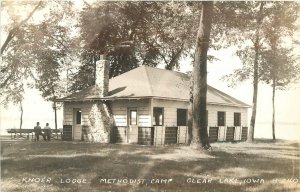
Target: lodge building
147, 106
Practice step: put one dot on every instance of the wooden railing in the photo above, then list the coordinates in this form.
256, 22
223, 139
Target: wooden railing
145, 135
171, 135
228, 134
213, 134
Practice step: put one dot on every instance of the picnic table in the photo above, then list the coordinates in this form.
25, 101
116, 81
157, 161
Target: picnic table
26, 133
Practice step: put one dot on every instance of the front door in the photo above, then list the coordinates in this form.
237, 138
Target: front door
132, 133
77, 124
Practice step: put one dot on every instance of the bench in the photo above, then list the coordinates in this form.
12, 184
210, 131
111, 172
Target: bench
56, 134
20, 133
26, 133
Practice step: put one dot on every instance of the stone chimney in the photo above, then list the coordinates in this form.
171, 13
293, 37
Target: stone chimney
102, 75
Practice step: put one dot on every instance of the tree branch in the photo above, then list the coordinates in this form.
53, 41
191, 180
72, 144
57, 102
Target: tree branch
60, 42
175, 56
12, 32
5, 81
86, 3
8, 39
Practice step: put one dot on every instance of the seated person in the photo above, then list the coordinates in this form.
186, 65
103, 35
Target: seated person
47, 132
37, 131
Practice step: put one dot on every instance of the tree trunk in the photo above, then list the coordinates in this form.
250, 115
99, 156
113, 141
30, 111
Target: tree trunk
21, 115
55, 113
190, 122
273, 103
255, 74
199, 129
254, 99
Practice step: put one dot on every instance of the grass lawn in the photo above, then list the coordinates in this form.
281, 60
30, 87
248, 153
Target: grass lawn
76, 166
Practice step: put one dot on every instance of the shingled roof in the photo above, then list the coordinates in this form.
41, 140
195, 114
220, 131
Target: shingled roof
149, 82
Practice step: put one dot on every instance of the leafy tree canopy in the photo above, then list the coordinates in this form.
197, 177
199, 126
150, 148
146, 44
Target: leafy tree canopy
133, 34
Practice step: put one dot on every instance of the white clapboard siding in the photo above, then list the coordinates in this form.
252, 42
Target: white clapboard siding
222, 133
182, 134
244, 117
85, 110
159, 135
120, 120
238, 133
144, 120
170, 110
120, 109
133, 134
229, 110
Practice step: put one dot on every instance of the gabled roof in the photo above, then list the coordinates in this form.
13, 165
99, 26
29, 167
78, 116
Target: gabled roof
149, 82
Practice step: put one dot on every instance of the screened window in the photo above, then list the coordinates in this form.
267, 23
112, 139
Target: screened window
133, 117
78, 117
237, 119
181, 117
158, 115
221, 118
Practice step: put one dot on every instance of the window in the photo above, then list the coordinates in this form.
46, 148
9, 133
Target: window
181, 117
158, 115
133, 117
221, 118
237, 119
78, 117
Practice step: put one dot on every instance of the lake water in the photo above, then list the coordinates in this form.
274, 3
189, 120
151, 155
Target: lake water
288, 131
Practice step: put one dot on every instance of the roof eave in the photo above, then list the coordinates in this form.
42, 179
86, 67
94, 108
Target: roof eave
147, 97
230, 105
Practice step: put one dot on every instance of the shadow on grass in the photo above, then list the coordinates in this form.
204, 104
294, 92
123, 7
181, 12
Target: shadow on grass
93, 162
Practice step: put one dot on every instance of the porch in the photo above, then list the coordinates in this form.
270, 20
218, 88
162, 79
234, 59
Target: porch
164, 135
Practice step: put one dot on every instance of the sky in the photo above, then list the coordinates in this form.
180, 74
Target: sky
287, 102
